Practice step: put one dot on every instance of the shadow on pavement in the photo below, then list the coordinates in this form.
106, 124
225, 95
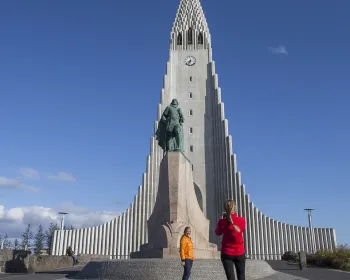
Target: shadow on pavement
68, 272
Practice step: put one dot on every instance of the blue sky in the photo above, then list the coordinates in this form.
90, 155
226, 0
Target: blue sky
80, 82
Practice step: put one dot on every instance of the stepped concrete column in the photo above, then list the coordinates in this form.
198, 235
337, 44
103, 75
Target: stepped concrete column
176, 207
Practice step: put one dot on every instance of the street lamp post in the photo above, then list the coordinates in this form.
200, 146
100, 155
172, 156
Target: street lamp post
2, 242
312, 234
63, 214
62, 219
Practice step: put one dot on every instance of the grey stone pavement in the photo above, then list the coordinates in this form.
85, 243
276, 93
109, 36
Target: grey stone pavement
67, 273
311, 273
281, 266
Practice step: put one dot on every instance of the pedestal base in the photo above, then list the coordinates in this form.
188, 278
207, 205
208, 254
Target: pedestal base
176, 208
149, 253
171, 269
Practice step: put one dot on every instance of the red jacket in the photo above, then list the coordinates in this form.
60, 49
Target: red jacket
232, 242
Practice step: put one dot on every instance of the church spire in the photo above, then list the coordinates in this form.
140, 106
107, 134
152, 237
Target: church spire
190, 29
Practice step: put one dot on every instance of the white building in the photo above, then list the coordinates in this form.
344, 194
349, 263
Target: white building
191, 79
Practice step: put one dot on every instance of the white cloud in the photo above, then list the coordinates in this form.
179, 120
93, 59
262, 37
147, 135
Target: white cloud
6, 183
30, 173
2, 211
13, 221
62, 176
279, 50
15, 214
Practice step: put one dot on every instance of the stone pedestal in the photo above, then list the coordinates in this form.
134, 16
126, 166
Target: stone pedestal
302, 260
176, 207
171, 269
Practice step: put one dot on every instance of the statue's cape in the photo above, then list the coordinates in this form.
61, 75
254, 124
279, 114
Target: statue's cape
161, 135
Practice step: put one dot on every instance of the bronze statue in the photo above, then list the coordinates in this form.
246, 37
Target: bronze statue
170, 131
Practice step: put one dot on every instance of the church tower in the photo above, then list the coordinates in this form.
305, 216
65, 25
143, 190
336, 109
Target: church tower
191, 79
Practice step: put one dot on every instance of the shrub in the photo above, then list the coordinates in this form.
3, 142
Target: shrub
290, 256
338, 259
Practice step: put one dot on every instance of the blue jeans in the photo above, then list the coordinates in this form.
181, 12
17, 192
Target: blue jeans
187, 269
74, 259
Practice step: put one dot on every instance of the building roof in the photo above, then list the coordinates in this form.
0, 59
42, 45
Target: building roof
190, 14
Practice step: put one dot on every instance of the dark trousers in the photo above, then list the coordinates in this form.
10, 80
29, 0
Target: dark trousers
238, 261
187, 269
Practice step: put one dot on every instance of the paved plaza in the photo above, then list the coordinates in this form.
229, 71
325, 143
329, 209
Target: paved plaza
67, 273
281, 266
311, 273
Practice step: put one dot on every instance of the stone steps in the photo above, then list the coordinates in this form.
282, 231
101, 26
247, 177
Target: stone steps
171, 269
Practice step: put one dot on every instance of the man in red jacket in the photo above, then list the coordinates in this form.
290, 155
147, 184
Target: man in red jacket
232, 245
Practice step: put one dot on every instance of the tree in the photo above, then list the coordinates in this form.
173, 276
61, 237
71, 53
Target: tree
27, 236
16, 244
49, 234
7, 243
39, 240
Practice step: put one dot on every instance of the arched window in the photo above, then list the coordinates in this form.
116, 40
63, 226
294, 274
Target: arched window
200, 39
179, 39
190, 36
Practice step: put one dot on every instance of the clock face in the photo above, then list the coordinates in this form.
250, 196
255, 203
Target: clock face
190, 60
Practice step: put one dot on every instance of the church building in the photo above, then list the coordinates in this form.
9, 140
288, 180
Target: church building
191, 78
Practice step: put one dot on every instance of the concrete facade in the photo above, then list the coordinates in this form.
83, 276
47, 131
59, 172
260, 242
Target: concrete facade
208, 146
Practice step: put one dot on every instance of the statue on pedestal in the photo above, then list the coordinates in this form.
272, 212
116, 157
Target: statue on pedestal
170, 131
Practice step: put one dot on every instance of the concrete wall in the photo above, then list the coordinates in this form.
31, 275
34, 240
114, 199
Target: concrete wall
50, 263
14, 260
214, 164
17, 261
